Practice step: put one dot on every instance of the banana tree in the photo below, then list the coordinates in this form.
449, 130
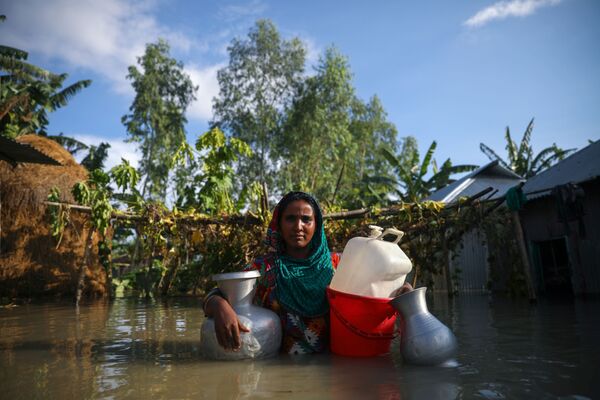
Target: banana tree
28, 93
521, 159
410, 183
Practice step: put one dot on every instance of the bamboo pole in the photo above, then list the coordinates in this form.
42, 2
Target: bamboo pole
252, 220
524, 256
84, 265
235, 219
447, 273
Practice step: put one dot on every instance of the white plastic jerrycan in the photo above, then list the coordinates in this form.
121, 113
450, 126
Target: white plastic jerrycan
372, 266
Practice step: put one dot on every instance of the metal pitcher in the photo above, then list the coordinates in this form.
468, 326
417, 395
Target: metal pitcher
264, 338
425, 340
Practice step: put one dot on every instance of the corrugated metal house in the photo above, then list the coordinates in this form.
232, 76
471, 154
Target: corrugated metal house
468, 262
561, 224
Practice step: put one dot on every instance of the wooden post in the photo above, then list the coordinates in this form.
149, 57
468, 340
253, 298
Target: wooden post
265, 198
524, 256
448, 276
83, 269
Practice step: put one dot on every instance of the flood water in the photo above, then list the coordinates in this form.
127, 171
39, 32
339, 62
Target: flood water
132, 349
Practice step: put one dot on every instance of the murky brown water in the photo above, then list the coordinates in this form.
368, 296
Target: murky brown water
134, 349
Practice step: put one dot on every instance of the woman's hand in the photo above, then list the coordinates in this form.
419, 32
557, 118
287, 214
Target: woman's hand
407, 287
227, 325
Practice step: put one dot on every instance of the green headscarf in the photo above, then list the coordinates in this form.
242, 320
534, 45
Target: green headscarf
301, 283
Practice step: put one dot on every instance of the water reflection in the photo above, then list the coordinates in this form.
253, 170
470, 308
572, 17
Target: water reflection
134, 349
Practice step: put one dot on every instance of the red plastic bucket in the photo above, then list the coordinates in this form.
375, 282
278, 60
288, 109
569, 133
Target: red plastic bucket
360, 326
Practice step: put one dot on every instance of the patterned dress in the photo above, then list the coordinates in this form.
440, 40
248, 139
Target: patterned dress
301, 335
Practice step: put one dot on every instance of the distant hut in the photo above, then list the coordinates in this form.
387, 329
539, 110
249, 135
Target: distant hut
468, 263
30, 263
561, 224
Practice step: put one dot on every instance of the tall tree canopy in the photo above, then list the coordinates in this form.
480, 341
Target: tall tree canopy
260, 80
156, 121
332, 140
372, 132
317, 138
521, 159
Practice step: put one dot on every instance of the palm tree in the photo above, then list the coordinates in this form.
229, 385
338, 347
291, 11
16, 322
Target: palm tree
410, 183
521, 159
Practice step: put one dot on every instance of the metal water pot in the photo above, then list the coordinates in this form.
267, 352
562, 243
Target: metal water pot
264, 338
424, 340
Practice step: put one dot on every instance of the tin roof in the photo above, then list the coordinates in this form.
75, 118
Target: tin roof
15, 152
490, 175
579, 167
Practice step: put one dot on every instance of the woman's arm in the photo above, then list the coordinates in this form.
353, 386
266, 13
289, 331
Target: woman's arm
227, 325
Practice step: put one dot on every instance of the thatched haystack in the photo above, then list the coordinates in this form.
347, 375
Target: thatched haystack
30, 263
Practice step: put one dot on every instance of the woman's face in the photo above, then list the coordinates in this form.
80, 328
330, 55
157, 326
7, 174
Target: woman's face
297, 226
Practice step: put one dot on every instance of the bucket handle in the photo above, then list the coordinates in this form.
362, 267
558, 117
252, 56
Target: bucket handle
360, 332
392, 231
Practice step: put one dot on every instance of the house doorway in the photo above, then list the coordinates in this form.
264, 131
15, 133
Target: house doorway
554, 270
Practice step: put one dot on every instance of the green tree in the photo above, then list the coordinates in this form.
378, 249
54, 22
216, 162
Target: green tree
521, 159
28, 93
410, 183
156, 121
372, 132
72, 145
96, 157
317, 139
332, 140
211, 191
255, 87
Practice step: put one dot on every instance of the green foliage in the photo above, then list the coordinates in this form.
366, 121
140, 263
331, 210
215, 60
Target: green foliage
96, 194
72, 145
291, 131
59, 216
521, 159
121, 285
371, 131
255, 88
124, 175
317, 139
410, 183
28, 93
212, 189
504, 257
81, 192
156, 120
96, 157
307, 132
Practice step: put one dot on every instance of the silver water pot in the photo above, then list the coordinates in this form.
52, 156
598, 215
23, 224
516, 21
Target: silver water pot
424, 339
264, 338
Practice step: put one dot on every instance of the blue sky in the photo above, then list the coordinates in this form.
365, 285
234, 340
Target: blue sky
454, 71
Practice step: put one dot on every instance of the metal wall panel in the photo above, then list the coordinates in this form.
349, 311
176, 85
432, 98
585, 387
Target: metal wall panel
470, 263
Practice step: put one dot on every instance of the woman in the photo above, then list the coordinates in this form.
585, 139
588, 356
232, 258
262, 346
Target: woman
293, 280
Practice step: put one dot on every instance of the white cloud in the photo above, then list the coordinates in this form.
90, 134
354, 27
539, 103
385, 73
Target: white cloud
313, 50
235, 12
118, 149
505, 9
102, 36
208, 87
